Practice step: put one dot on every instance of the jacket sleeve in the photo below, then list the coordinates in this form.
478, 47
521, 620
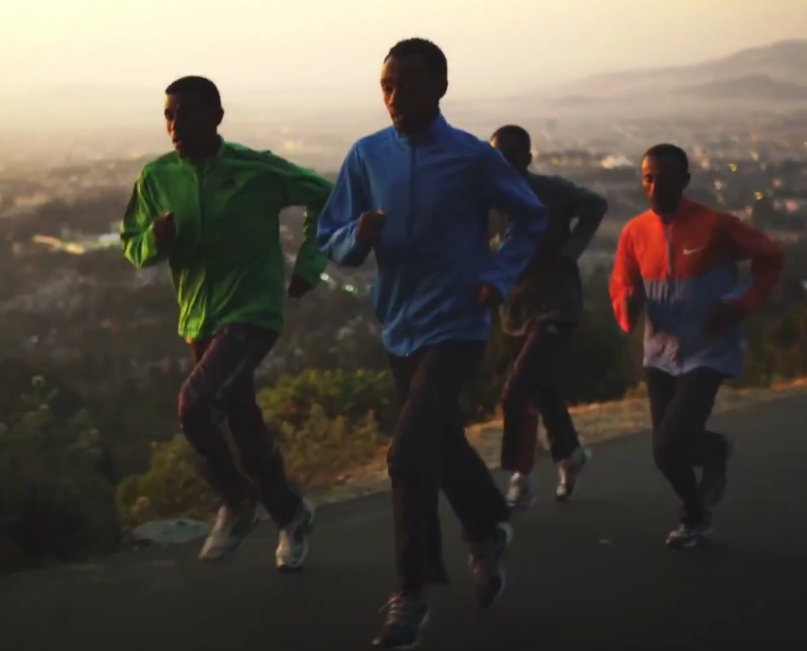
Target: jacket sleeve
336, 230
509, 193
590, 208
625, 276
308, 189
766, 256
137, 235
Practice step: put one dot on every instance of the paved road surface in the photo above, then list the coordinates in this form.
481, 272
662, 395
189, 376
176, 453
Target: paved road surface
591, 575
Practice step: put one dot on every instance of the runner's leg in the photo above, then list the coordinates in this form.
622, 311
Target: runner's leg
429, 381
562, 437
676, 435
520, 423
201, 404
263, 462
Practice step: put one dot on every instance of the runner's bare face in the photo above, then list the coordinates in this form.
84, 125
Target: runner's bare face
664, 180
191, 123
411, 92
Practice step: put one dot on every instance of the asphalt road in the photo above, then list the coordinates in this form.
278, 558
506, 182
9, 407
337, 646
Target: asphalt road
593, 574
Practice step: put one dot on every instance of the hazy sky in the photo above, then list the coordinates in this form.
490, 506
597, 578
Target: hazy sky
492, 45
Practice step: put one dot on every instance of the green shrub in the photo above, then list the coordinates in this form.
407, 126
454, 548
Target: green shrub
170, 487
348, 394
54, 501
326, 422
321, 449
599, 364
776, 347
317, 450
638, 391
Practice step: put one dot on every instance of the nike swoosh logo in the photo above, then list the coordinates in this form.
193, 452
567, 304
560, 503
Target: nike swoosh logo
691, 251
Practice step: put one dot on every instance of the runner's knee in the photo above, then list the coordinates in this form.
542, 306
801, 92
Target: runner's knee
416, 438
194, 407
669, 451
517, 396
402, 459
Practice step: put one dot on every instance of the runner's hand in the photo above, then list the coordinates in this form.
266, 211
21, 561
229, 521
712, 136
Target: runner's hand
298, 287
164, 228
369, 226
633, 303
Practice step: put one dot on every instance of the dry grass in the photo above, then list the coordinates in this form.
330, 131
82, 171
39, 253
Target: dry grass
595, 422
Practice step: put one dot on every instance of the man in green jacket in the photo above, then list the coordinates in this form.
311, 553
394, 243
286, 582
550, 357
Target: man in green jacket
540, 317
210, 209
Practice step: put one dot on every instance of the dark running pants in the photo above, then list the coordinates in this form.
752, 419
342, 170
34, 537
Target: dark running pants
429, 452
220, 389
680, 406
530, 393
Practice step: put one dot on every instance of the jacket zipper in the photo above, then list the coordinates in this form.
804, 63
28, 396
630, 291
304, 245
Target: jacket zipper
670, 279
202, 235
668, 240
410, 222
410, 231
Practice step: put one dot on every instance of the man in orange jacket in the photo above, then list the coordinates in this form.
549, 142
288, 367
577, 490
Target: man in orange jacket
677, 263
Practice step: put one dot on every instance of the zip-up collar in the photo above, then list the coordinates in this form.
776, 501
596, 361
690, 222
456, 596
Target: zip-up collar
220, 150
217, 155
682, 212
437, 126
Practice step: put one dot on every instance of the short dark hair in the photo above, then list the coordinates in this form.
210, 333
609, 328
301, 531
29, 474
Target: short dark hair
517, 133
431, 54
201, 87
666, 150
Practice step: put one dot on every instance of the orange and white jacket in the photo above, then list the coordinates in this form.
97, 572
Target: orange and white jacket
686, 266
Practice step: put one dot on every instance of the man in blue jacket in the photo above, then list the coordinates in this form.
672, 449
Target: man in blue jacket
419, 195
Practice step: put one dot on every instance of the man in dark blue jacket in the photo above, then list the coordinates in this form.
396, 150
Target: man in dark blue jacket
540, 317
419, 195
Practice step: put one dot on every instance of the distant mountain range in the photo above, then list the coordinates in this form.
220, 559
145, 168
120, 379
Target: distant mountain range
776, 72
747, 87
773, 75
